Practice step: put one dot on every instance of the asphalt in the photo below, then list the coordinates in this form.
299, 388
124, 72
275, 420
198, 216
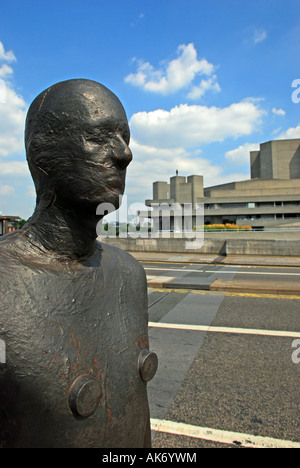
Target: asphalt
261, 286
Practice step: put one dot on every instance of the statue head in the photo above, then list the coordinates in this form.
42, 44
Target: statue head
76, 139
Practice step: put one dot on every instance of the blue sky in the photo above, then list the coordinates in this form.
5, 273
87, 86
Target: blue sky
202, 82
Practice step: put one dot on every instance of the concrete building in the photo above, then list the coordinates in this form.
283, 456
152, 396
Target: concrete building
8, 224
277, 159
271, 198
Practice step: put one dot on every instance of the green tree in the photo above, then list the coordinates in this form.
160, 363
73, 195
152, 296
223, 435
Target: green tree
21, 223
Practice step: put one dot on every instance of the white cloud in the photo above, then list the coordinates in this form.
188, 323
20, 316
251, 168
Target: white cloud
259, 35
176, 74
278, 111
190, 126
14, 168
12, 121
241, 155
6, 56
205, 85
163, 141
138, 20
6, 190
151, 164
293, 132
10, 145
5, 71
12, 110
31, 193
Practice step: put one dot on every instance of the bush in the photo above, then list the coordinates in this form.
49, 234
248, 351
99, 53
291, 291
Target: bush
21, 223
222, 227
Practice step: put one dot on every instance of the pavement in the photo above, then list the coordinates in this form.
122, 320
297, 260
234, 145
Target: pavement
212, 283
255, 260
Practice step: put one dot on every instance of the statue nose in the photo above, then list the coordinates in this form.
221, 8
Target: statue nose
122, 156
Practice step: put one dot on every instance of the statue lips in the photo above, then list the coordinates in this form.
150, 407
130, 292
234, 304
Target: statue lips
115, 185
111, 175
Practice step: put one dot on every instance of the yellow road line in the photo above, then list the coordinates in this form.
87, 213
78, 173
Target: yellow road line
222, 264
267, 296
165, 263
226, 293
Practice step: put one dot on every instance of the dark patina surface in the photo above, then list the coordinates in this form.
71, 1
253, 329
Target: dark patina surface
73, 311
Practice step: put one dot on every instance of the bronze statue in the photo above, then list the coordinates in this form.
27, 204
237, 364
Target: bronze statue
73, 311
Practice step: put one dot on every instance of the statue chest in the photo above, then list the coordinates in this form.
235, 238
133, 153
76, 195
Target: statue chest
74, 347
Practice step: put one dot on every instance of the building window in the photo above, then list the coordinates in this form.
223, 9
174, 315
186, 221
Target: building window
291, 203
291, 216
233, 205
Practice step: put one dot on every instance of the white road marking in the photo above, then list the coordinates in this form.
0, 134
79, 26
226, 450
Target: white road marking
222, 272
160, 279
240, 331
221, 436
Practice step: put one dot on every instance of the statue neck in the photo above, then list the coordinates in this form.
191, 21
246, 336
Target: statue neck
67, 233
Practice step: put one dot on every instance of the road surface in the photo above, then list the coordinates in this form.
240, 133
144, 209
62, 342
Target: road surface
229, 362
220, 277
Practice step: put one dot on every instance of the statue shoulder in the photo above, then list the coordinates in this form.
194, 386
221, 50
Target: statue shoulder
123, 260
8, 249
127, 277
10, 266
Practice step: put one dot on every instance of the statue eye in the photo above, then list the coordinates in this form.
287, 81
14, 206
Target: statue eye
126, 137
124, 132
92, 140
91, 144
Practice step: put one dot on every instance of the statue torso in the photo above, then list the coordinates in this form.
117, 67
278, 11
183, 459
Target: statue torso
66, 323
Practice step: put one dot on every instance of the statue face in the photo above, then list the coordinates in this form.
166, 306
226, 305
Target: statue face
96, 153
105, 155
77, 133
